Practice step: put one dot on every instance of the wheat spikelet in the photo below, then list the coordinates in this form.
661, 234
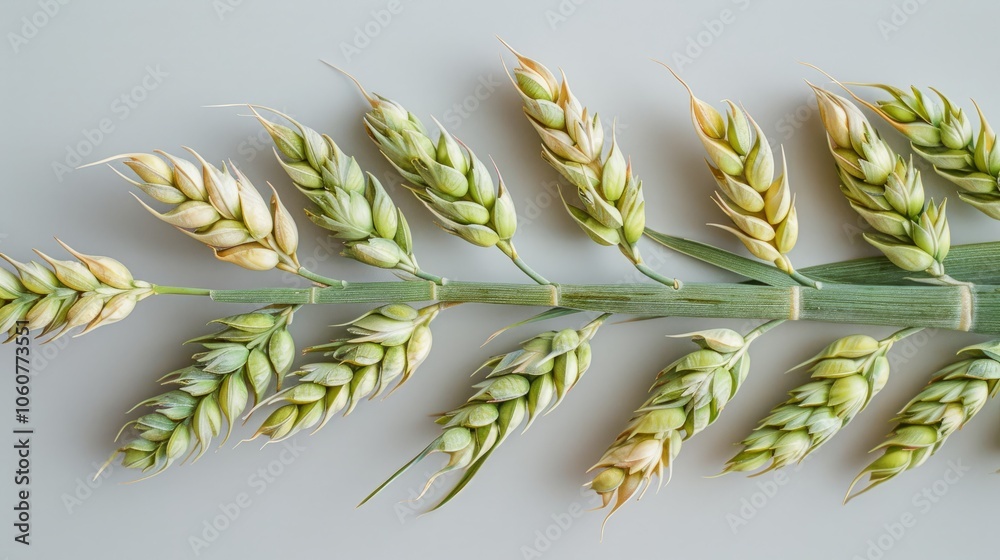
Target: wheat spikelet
214, 391
955, 394
846, 375
521, 385
942, 134
613, 211
390, 342
884, 189
351, 204
686, 398
94, 292
447, 177
759, 204
218, 207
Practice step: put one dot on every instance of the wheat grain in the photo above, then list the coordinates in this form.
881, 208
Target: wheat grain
942, 134
238, 362
447, 177
351, 204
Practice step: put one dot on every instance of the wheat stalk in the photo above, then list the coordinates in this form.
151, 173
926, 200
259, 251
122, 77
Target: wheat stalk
846, 375
218, 207
686, 398
238, 361
94, 292
390, 342
613, 208
521, 384
759, 204
885, 190
950, 400
942, 135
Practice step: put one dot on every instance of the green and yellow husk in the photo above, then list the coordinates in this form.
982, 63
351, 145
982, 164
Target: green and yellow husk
613, 208
885, 190
686, 398
521, 385
759, 204
91, 293
447, 177
942, 135
389, 343
846, 375
212, 393
218, 207
949, 401
349, 203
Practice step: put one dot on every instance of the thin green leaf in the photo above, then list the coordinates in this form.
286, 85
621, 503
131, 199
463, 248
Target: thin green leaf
721, 258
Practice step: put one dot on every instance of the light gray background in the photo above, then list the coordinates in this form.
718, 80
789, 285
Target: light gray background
67, 77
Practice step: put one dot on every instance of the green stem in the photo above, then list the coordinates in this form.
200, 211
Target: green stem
428, 276
753, 335
964, 262
975, 309
178, 290
750, 336
529, 271
900, 335
320, 279
805, 280
507, 248
671, 282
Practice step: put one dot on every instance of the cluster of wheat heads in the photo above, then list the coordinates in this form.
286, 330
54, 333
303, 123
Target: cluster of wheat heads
246, 369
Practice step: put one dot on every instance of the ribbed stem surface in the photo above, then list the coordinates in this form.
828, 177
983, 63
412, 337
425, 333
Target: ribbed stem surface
969, 308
